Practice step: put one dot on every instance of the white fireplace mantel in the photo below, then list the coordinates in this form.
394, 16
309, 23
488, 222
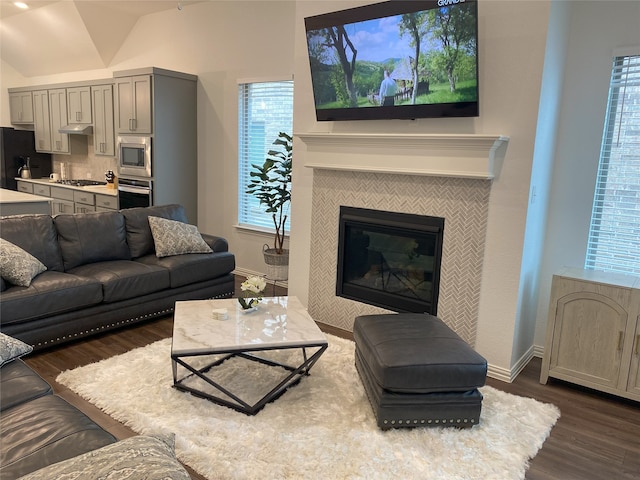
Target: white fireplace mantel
449, 155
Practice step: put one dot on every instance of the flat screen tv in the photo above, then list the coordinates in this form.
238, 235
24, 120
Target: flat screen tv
395, 60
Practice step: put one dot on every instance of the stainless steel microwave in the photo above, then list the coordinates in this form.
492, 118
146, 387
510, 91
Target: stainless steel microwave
134, 156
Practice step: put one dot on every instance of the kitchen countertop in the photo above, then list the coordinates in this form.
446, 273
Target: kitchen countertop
20, 203
11, 196
100, 189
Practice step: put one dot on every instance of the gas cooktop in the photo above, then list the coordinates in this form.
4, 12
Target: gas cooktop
81, 183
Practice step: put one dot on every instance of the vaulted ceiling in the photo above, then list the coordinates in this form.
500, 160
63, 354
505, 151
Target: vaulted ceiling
61, 36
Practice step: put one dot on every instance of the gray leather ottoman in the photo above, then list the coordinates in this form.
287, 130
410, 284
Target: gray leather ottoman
417, 371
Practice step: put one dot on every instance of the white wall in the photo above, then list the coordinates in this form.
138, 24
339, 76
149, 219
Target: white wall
596, 29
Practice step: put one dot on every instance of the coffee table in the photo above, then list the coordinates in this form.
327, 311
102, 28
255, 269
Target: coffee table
201, 343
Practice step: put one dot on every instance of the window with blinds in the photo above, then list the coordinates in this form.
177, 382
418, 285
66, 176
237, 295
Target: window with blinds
614, 233
265, 110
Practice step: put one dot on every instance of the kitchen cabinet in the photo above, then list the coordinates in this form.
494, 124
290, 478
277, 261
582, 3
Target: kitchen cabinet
593, 331
62, 200
41, 120
133, 104
25, 187
58, 115
21, 107
104, 142
106, 202
42, 190
79, 105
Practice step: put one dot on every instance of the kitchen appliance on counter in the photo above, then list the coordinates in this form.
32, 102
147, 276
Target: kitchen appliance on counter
134, 156
15, 147
25, 170
135, 193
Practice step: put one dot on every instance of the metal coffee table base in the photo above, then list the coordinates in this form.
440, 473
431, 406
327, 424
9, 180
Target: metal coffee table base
295, 374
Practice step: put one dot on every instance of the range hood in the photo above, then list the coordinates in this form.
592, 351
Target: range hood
77, 129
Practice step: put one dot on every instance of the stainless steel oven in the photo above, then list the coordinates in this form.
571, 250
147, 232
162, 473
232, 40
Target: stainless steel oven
134, 156
134, 193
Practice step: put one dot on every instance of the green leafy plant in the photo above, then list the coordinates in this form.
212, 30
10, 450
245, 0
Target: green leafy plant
271, 184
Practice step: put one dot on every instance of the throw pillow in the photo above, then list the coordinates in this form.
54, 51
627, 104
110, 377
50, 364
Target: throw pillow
176, 238
12, 348
136, 458
17, 266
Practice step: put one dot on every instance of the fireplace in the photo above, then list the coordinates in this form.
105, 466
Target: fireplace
390, 260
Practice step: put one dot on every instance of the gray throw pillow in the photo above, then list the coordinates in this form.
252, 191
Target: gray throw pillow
12, 348
17, 266
176, 238
136, 458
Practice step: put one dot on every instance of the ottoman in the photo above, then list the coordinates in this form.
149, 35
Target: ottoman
417, 371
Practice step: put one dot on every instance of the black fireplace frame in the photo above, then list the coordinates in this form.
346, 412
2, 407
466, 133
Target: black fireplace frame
386, 221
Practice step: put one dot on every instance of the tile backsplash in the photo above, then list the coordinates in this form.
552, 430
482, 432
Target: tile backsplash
84, 164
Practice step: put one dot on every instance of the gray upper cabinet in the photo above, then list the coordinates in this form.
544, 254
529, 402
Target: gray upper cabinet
42, 122
103, 118
21, 106
79, 105
58, 115
133, 105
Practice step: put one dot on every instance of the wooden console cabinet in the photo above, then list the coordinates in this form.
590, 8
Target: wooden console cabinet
593, 331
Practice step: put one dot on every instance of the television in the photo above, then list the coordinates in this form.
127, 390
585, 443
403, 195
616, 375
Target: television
395, 60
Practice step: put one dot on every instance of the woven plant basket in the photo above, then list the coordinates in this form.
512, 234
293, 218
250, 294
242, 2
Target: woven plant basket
277, 263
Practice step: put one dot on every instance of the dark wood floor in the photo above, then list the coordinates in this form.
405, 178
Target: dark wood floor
597, 436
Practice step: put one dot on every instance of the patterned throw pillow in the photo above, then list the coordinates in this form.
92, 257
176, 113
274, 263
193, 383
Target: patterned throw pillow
12, 348
176, 238
17, 266
136, 458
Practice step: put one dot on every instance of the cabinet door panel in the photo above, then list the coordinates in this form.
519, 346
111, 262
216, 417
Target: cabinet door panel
633, 386
79, 105
41, 120
58, 115
103, 131
588, 338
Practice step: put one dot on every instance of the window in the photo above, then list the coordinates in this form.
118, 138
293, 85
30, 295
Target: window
614, 233
265, 110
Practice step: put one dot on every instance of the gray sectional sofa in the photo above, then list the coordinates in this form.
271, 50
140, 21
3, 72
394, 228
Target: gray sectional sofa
102, 271
46, 438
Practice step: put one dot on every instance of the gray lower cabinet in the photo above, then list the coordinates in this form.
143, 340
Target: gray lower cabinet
593, 331
84, 201
62, 201
25, 187
106, 202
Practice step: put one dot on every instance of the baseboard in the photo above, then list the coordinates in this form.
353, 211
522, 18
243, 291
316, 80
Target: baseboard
509, 375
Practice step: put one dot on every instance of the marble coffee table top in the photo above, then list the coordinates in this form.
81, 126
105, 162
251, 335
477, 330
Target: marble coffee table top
279, 322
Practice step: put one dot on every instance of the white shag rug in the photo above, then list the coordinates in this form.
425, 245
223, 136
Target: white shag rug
322, 428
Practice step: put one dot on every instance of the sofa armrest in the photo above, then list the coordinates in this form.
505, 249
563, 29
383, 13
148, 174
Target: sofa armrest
217, 244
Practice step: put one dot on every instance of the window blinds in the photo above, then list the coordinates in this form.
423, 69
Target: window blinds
614, 233
265, 110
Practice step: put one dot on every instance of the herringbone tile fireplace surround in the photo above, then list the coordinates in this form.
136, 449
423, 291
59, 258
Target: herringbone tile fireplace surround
464, 204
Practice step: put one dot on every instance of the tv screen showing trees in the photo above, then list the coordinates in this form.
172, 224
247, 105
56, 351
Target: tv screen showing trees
396, 59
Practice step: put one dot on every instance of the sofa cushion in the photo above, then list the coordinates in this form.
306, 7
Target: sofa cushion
139, 235
19, 384
35, 234
171, 237
50, 293
122, 279
136, 458
91, 237
193, 267
12, 348
43, 431
17, 266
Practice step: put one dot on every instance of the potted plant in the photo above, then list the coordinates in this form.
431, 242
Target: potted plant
271, 184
